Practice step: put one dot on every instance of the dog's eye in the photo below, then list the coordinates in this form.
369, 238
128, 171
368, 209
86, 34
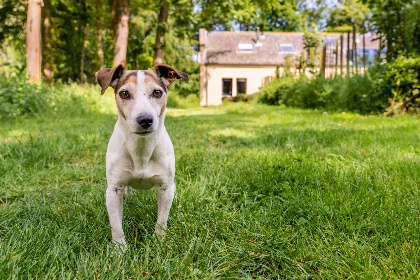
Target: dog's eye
124, 94
157, 93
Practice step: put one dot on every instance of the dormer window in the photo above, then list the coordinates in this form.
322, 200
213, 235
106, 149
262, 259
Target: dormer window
245, 48
286, 48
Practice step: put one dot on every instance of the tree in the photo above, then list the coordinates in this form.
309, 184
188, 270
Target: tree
33, 41
82, 28
13, 15
98, 22
313, 16
398, 21
47, 51
214, 15
348, 13
160, 32
121, 33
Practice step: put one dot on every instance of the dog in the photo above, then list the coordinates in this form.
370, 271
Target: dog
140, 154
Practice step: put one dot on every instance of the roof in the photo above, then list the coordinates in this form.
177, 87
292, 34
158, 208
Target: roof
222, 47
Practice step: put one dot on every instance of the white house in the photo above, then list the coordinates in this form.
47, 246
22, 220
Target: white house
242, 62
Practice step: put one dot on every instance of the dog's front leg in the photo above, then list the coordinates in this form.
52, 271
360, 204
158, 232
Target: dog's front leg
165, 198
114, 205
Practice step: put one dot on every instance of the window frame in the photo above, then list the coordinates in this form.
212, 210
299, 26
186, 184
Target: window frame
238, 80
231, 87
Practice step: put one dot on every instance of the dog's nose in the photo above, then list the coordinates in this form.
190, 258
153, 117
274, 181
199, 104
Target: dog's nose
145, 121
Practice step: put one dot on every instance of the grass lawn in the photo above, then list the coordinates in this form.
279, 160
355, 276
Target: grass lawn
262, 192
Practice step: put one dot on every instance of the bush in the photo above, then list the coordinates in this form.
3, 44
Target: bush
402, 79
242, 97
20, 99
394, 87
177, 101
338, 93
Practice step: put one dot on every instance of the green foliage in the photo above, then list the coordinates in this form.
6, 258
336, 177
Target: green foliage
399, 22
178, 52
12, 46
242, 97
12, 19
337, 94
342, 17
248, 15
311, 40
178, 101
393, 87
311, 43
402, 78
20, 99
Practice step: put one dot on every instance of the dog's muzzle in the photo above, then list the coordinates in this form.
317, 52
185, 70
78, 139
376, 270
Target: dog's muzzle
145, 122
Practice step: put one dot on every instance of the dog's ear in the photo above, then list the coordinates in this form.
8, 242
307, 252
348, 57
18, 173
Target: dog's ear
109, 77
168, 74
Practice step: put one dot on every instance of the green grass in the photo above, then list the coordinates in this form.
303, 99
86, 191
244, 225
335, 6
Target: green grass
262, 192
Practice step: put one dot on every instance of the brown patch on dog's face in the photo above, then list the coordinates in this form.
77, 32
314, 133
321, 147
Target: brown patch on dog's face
151, 78
128, 77
140, 95
128, 80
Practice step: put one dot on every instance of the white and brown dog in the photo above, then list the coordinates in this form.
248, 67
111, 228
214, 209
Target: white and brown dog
140, 153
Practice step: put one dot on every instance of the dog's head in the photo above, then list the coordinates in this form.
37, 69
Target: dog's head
141, 95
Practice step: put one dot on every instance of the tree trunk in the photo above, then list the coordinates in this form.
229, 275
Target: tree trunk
336, 57
323, 60
33, 41
364, 51
160, 32
82, 55
341, 53
100, 38
354, 66
121, 33
46, 42
348, 53
114, 16
83, 24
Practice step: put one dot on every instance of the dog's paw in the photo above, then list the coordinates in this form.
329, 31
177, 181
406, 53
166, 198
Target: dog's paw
159, 231
119, 248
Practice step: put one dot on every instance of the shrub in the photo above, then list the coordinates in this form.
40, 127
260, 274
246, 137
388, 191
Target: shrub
338, 93
242, 97
394, 87
402, 79
20, 99
177, 101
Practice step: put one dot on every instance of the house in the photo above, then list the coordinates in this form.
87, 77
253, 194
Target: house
234, 63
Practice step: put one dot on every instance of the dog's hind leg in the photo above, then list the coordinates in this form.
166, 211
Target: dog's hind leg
165, 198
114, 205
128, 191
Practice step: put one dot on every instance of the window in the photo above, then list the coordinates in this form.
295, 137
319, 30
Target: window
329, 40
227, 87
245, 48
371, 54
241, 85
286, 48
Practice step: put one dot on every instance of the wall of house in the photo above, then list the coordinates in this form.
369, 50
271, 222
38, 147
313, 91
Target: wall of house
254, 76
